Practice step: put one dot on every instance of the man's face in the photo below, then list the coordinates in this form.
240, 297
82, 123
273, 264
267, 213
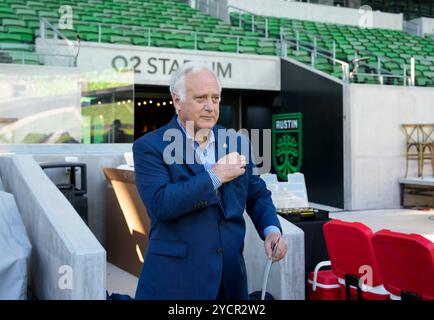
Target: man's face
202, 99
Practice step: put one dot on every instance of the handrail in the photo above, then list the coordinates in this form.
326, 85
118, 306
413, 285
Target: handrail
344, 65
380, 73
253, 18
187, 32
384, 73
43, 24
314, 49
242, 10
42, 28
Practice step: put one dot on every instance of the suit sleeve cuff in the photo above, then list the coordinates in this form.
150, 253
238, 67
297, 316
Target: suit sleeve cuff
271, 229
215, 180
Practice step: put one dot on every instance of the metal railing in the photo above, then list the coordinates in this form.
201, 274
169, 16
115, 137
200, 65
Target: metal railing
378, 73
44, 26
315, 53
253, 15
147, 33
280, 45
316, 47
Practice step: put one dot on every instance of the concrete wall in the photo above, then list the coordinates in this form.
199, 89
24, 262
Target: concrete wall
320, 13
374, 141
422, 26
286, 278
154, 66
216, 8
67, 261
96, 157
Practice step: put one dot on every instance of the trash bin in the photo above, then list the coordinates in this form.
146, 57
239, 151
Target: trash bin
74, 190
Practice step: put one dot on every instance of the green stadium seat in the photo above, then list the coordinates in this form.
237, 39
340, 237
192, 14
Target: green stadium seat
266, 44
23, 57
132, 33
91, 19
228, 48
175, 36
19, 20
6, 10
10, 16
149, 24
108, 31
208, 46
140, 41
185, 44
166, 43
120, 40
93, 37
48, 14
231, 41
86, 29
185, 27
19, 30
266, 51
13, 22
251, 50
248, 42
16, 47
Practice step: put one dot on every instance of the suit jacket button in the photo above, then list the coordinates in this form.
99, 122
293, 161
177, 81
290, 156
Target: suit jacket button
219, 250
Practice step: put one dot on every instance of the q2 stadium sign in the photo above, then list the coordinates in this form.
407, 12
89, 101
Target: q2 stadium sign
287, 141
154, 66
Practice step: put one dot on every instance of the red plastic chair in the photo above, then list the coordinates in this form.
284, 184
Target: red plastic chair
406, 264
353, 260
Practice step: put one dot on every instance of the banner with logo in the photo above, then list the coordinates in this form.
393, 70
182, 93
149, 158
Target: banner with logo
287, 144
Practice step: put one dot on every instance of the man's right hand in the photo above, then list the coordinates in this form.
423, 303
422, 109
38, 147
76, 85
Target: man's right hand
230, 167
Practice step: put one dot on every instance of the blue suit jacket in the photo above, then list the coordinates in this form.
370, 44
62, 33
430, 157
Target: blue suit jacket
195, 240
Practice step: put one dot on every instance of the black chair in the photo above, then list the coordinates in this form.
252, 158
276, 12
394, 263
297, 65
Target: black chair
75, 191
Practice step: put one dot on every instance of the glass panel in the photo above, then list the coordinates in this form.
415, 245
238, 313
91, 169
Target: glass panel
50, 105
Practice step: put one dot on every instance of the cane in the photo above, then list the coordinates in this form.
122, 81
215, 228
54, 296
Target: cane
267, 270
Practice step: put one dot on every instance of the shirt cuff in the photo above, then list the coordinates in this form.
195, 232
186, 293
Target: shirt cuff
271, 229
215, 180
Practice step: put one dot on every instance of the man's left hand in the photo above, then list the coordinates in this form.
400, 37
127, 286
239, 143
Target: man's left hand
273, 239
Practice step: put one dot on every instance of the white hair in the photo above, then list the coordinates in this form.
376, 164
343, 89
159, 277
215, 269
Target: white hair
177, 81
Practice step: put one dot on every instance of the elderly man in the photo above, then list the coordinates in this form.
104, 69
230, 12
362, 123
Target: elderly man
197, 231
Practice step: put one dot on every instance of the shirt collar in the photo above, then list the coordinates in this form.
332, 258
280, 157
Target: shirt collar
211, 137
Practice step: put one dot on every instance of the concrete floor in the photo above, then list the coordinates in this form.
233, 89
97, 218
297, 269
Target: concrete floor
119, 281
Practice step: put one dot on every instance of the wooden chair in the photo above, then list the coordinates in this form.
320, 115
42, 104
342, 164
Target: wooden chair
426, 146
413, 151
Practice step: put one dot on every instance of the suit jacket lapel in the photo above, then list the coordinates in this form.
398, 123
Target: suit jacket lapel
188, 152
221, 149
